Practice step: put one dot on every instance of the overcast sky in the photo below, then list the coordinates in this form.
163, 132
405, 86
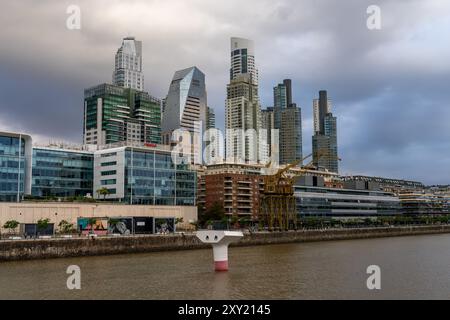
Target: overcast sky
390, 87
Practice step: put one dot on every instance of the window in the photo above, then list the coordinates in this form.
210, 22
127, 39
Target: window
112, 154
108, 182
107, 164
109, 173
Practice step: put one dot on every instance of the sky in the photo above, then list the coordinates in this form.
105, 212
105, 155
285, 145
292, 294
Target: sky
389, 86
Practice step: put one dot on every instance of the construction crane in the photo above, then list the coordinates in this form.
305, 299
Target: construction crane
278, 203
278, 206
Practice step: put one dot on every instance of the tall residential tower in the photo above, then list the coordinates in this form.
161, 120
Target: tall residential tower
128, 65
324, 141
242, 110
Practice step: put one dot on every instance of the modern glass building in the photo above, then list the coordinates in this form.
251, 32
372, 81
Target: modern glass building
344, 203
115, 114
186, 103
143, 175
62, 173
15, 166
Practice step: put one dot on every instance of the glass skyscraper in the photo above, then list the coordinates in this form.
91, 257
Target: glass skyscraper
186, 103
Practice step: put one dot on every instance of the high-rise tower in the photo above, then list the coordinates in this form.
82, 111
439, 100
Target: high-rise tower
128, 65
324, 141
186, 103
243, 59
242, 110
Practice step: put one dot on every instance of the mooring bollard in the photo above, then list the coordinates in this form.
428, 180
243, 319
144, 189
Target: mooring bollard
219, 241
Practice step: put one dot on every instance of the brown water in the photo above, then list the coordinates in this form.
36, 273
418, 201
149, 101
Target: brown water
416, 267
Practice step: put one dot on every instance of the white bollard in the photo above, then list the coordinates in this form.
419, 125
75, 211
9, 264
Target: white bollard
219, 241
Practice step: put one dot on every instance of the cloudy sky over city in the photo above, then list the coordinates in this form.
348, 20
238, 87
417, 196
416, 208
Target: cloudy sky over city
390, 87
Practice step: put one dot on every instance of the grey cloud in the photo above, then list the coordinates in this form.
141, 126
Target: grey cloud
388, 87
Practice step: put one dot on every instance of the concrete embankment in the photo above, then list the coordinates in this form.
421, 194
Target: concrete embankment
62, 248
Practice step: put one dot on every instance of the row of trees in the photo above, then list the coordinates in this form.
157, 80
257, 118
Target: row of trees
102, 192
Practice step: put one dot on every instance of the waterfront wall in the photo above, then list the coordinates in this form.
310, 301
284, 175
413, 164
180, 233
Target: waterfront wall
31, 212
59, 248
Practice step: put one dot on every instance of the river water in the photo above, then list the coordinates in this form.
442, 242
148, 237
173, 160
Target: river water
416, 267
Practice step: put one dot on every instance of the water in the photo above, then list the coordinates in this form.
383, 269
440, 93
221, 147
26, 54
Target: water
416, 267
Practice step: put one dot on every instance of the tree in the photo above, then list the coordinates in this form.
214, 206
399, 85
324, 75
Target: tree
42, 224
11, 225
65, 226
214, 213
103, 192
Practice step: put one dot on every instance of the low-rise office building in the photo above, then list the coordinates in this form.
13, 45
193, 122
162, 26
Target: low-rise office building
135, 174
62, 173
341, 203
143, 175
314, 199
15, 165
423, 203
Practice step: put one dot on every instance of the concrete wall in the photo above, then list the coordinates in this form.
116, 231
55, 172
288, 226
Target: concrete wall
32, 212
59, 248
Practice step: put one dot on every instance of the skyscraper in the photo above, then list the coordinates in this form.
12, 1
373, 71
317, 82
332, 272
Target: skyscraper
185, 104
116, 114
243, 59
324, 141
210, 118
291, 134
268, 124
242, 110
288, 120
128, 65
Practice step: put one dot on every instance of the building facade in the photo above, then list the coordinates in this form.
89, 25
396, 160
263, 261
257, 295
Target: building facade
242, 110
235, 187
210, 118
115, 114
128, 65
344, 203
324, 141
62, 173
186, 104
143, 175
291, 146
273, 135
243, 59
15, 166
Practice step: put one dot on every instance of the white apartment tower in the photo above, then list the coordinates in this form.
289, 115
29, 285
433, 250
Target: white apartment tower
242, 110
128, 65
243, 59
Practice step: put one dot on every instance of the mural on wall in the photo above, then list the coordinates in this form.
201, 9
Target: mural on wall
123, 226
99, 226
164, 225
